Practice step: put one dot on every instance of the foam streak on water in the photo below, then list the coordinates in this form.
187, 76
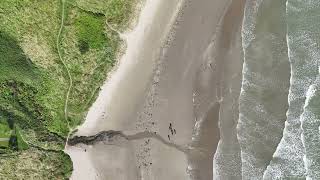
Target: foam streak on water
265, 85
310, 120
304, 22
289, 160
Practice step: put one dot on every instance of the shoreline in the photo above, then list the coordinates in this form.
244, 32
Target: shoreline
169, 81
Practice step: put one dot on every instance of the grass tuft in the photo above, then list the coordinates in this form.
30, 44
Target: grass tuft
90, 31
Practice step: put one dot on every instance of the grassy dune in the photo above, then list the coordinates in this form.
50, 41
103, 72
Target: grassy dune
34, 81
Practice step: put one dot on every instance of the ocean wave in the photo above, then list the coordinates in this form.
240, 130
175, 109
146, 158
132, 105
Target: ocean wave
289, 159
310, 122
265, 85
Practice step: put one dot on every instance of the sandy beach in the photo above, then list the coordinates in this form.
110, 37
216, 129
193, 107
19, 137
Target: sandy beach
182, 65
118, 102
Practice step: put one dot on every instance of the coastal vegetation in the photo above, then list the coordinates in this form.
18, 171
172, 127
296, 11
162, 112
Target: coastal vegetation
55, 55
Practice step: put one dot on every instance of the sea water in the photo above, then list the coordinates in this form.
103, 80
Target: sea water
265, 85
289, 160
279, 106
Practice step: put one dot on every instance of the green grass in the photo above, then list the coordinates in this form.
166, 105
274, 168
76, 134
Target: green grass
14, 63
22, 145
36, 165
117, 12
34, 82
88, 69
4, 144
20, 82
90, 31
5, 131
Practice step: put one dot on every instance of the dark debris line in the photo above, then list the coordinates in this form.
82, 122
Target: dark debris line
109, 136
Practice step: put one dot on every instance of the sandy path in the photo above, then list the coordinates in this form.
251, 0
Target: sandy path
173, 88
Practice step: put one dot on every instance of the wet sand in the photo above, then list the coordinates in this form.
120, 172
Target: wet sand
227, 159
171, 82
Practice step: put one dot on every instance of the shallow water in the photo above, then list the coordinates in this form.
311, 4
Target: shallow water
310, 130
278, 127
265, 84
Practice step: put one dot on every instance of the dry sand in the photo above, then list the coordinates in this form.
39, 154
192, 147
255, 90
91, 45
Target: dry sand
116, 105
170, 81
